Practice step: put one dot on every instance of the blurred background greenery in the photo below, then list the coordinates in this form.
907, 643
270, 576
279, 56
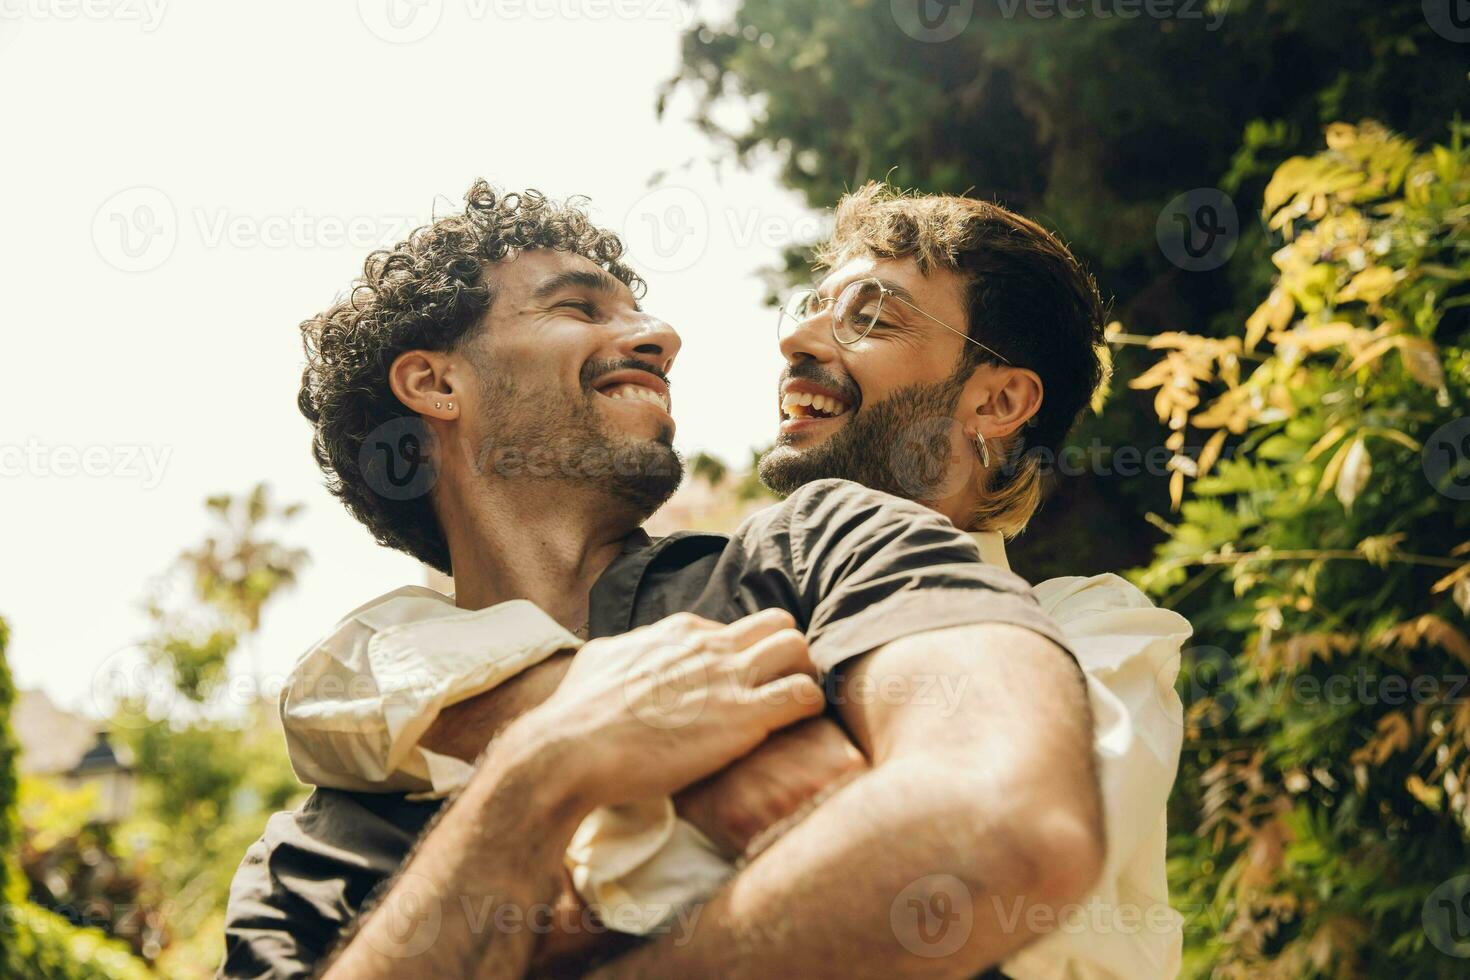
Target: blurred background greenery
1312, 393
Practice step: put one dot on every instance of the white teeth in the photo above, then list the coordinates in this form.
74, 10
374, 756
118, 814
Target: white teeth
638, 393
794, 404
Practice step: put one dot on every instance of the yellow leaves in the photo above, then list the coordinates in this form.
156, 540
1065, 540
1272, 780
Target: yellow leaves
1211, 452
1328, 440
1105, 385
1381, 548
1427, 630
1297, 653
1341, 135
1421, 361
1457, 583
1302, 187
1368, 286
1431, 796
1351, 466
1352, 473
1371, 353
1292, 344
1272, 316
1233, 410
1393, 735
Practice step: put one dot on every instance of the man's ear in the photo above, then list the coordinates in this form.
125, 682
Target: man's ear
423, 381
1000, 399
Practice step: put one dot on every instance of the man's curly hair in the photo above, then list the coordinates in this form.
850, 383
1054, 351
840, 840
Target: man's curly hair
429, 292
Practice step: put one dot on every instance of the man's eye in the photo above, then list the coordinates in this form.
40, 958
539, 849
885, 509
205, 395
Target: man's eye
585, 306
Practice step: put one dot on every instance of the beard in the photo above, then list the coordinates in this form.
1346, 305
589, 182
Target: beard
539, 435
905, 445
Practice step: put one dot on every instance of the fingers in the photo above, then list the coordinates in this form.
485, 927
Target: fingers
783, 652
746, 632
787, 700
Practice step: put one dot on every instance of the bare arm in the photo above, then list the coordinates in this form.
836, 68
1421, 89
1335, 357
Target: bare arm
586, 746
981, 803
463, 730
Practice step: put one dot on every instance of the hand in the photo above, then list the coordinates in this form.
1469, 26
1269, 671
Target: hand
651, 711
736, 805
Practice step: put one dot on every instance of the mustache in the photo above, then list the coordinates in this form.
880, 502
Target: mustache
811, 371
593, 370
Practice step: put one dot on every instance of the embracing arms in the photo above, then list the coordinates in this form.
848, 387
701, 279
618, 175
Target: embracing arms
588, 745
976, 810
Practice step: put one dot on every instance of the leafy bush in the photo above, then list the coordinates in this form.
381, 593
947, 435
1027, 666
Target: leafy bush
1323, 550
36, 944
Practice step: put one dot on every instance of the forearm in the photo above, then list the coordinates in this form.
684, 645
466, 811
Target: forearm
493, 859
975, 811
887, 878
463, 730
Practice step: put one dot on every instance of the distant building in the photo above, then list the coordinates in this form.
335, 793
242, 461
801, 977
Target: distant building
74, 751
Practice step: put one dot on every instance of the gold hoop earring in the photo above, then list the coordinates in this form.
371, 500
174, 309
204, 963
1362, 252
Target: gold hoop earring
984, 450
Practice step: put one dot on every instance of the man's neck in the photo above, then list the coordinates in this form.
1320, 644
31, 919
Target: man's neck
546, 542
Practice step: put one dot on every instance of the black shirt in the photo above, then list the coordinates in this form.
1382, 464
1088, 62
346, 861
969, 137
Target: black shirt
855, 567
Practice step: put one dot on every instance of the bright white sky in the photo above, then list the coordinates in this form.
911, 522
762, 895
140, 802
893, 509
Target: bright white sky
186, 181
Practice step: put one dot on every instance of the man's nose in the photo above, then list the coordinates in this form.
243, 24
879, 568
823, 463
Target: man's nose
648, 338
809, 339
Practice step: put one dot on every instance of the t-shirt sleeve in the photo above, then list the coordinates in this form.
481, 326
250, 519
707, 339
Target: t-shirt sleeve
864, 568
302, 883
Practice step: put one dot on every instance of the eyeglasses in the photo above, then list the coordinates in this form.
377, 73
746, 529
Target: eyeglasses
854, 312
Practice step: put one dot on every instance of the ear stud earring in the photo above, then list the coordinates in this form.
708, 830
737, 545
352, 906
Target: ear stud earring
438, 405
449, 405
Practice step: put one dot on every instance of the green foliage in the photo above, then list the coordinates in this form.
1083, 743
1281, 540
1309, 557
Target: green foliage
40, 945
1089, 124
707, 467
1326, 563
207, 773
8, 754
36, 944
230, 578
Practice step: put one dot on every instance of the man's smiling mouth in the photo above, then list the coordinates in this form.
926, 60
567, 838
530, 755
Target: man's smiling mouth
633, 384
800, 404
637, 393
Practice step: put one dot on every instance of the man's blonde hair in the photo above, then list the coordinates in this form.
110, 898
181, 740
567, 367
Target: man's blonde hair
1027, 297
